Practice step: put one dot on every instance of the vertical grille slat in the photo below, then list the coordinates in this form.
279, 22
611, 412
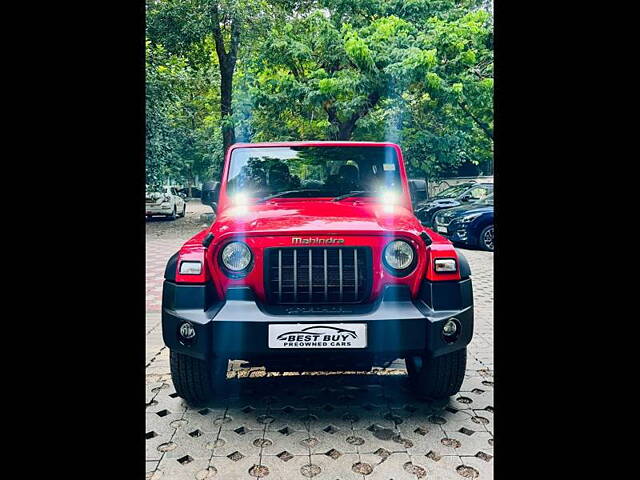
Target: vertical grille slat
317, 275
295, 276
279, 274
310, 275
326, 294
340, 271
355, 269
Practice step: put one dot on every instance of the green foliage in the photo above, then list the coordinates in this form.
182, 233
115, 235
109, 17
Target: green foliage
418, 72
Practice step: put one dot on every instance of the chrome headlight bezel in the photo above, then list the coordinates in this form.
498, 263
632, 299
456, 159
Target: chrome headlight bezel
404, 269
231, 270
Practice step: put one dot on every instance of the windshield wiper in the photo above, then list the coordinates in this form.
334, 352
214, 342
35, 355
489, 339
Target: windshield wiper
353, 193
282, 194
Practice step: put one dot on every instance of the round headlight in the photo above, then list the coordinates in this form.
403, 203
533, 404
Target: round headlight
398, 255
236, 256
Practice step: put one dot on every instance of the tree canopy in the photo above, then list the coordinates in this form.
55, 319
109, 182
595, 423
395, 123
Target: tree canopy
416, 72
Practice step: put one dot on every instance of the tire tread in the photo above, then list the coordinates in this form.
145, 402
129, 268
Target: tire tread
192, 378
441, 376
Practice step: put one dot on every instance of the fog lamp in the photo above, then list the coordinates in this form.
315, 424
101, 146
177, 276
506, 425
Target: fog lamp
187, 331
450, 329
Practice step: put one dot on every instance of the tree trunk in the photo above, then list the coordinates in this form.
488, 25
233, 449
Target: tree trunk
227, 63
344, 129
226, 110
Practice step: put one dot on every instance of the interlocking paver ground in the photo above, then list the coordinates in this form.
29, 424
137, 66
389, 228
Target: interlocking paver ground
301, 426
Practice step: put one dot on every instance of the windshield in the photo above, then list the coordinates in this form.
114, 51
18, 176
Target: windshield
311, 172
453, 191
488, 200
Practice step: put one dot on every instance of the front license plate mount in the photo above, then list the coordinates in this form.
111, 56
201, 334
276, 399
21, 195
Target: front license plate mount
317, 335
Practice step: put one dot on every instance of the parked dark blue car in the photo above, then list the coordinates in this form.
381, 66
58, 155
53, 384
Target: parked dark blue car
470, 224
460, 194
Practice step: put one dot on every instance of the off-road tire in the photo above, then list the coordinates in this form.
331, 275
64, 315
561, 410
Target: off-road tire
438, 377
195, 380
481, 240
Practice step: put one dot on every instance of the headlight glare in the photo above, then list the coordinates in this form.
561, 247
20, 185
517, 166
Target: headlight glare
398, 255
236, 256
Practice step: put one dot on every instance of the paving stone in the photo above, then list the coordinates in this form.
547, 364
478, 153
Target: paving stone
232, 442
186, 445
203, 422
443, 469
152, 444
393, 467
485, 469
292, 468
468, 444
461, 419
341, 468
229, 469
337, 440
423, 443
172, 469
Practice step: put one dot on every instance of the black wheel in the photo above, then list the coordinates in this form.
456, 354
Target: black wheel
184, 210
173, 215
437, 377
486, 240
195, 380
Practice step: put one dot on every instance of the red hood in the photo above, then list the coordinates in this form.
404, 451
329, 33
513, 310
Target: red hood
317, 217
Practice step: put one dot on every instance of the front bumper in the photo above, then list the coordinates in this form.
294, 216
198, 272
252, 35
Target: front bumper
457, 233
397, 326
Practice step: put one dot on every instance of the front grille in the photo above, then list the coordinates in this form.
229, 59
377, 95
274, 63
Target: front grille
317, 275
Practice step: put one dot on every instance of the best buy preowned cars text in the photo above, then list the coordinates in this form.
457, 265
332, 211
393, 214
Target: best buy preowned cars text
316, 261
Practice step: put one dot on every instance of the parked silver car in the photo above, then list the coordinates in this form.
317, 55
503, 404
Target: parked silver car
167, 202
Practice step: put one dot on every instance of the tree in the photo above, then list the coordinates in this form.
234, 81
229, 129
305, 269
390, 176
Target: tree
183, 25
359, 70
417, 72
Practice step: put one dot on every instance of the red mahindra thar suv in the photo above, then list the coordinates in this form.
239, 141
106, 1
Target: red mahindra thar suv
315, 261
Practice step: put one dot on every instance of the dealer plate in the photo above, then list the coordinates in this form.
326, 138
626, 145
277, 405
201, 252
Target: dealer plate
318, 335
441, 229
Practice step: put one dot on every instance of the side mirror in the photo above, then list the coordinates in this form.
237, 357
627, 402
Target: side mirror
210, 193
466, 198
417, 190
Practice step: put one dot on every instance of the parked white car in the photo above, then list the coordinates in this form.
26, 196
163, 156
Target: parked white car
167, 202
